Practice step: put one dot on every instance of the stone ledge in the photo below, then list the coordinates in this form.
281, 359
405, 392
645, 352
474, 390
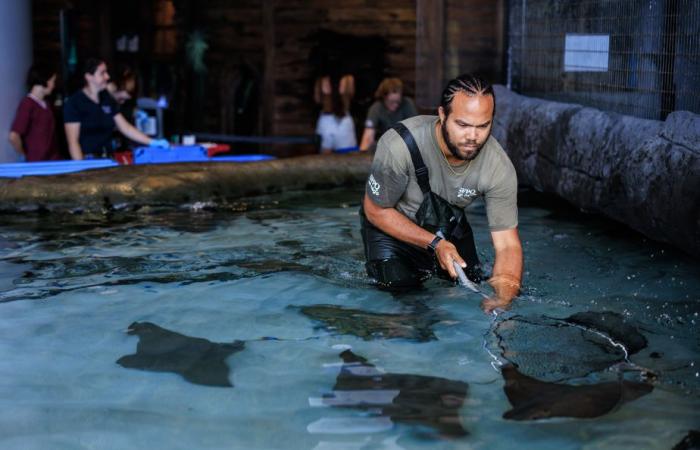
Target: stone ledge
177, 184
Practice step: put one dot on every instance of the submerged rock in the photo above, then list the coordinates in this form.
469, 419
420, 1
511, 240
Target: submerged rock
198, 360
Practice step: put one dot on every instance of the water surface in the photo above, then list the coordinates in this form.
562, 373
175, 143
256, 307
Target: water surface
105, 319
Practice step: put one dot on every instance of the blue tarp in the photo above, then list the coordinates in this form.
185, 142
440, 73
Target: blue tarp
142, 155
17, 170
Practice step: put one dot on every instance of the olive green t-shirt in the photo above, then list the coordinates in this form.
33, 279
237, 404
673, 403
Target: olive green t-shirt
381, 119
491, 175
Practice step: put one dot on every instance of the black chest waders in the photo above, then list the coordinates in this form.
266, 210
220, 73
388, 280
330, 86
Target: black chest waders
395, 264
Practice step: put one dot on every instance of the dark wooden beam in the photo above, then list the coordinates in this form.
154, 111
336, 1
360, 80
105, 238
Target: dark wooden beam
105, 31
268, 84
430, 41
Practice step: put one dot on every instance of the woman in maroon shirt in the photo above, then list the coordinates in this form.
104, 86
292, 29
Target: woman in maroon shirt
33, 130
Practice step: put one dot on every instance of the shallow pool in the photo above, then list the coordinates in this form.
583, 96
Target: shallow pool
257, 328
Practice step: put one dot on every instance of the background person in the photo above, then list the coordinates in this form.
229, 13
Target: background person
91, 114
335, 124
33, 132
123, 89
390, 107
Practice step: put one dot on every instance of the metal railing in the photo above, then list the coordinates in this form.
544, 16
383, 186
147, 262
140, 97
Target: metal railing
634, 57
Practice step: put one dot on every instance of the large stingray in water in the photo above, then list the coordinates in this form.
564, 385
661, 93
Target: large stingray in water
552, 349
431, 402
198, 360
369, 325
534, 399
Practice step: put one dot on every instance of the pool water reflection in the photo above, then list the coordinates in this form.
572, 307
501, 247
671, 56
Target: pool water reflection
259, 329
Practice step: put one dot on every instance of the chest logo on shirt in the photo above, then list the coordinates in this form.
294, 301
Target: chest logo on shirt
466, 193
106, 109
373, 185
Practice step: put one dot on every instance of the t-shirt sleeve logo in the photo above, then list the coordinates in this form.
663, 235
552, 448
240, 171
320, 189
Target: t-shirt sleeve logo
373, 185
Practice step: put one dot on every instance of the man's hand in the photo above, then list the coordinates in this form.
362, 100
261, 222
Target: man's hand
446, 252
492, 304
506, 288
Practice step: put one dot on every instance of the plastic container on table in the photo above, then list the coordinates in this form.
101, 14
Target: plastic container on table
242, 158
175, 154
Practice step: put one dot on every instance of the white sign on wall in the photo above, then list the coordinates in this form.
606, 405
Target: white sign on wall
586, 52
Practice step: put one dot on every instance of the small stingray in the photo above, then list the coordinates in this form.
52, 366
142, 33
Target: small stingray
198, 360
613, 325
413, 399
368, 325
534, 399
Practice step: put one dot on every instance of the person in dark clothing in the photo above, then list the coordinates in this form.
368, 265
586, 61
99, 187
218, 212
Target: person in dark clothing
91, 114
33, 132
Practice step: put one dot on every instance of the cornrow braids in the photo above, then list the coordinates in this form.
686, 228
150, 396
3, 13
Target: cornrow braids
467, 83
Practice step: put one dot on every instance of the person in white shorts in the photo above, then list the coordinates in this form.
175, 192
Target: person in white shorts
337, 133
335, 125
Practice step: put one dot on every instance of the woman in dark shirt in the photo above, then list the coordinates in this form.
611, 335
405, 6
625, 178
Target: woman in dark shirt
91, 114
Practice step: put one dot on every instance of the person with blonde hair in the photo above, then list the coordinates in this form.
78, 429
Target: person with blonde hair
390, 107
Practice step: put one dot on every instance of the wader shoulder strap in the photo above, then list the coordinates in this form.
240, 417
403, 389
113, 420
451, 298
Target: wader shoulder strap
418, 164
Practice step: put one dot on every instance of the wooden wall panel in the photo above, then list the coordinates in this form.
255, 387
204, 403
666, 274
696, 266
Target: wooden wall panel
297, 21
474, 38
271, 37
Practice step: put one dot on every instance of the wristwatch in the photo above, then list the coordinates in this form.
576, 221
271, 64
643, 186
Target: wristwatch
433, 244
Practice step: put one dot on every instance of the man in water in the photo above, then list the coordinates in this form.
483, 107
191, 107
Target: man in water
426, 170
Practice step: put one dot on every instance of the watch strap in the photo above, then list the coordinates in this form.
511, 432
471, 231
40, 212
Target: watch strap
433, 244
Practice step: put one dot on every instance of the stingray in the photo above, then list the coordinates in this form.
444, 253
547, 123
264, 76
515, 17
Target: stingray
198, 360
431, 402
533, 399
613, 325
368, 325
552, 349
691, 441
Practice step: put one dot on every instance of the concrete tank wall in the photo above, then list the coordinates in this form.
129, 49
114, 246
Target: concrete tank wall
15, 59
644, 173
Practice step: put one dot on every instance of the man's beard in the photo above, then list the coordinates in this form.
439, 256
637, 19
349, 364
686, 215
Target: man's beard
454, 149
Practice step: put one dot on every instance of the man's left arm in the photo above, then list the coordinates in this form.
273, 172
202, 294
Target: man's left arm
507, 269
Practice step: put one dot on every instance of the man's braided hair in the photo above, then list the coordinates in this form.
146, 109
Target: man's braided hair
467, 83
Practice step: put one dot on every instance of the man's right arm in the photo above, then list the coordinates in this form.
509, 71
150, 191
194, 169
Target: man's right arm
369, 135
73, 138
400, 227
367, 139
